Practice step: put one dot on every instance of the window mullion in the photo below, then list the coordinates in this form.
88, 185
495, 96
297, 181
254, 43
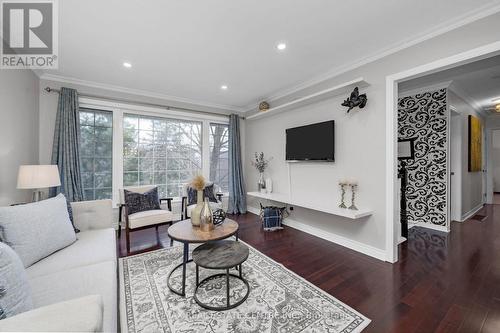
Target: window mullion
117, 154
205, 146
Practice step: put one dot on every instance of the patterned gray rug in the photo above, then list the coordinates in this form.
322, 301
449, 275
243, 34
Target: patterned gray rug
279, 300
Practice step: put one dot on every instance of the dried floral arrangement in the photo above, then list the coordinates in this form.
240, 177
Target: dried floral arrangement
260, 163
198, 183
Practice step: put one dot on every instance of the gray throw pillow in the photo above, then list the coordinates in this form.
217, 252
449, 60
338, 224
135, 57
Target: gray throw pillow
140, 202
38, 229
208, 192
16, 297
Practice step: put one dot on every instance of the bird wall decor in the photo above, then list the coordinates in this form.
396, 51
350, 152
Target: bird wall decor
355, 100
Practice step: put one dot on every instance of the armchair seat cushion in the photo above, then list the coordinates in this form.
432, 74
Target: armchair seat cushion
149, 217
213, 205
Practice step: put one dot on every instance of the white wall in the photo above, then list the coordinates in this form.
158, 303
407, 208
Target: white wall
472, 182
495, 157
360, 138
18, 130
456, 163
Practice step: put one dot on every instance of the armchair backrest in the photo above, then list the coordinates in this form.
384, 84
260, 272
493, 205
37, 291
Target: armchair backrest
136, 189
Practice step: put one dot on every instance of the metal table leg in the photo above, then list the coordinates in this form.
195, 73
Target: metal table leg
185, 260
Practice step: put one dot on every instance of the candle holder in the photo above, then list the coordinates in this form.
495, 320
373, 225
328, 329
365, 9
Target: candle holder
353, 190
342, 189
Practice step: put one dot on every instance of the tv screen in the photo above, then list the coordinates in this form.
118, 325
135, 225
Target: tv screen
314, 142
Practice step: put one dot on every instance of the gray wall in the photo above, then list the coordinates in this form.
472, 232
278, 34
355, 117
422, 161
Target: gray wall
18, 130
360, 137
495, 152
472, 182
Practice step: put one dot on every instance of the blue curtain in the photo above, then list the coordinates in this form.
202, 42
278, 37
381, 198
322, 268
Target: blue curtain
237, 192
66, 146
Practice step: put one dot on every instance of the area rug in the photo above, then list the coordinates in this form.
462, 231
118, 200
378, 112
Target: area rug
279, 300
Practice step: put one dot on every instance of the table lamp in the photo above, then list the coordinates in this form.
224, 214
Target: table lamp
38, 177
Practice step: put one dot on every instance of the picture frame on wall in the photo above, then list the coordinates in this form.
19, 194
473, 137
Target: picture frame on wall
406, 149
475, 144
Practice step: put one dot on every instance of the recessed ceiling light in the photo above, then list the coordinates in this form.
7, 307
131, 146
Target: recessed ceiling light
223, 87
281, 46
497, 108
127, 65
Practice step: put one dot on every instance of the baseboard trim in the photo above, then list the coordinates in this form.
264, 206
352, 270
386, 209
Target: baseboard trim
428, 226
471, 213
340, 240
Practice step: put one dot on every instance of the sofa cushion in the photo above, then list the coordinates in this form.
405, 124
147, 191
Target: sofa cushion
94, 214
38, 229
149, 217
14, 282
97, 279
93, 246
77, 315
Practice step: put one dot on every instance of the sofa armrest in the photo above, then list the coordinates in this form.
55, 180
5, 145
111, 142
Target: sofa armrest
78, 315
95, 214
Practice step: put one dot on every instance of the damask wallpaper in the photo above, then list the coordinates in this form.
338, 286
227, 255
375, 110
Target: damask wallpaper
425, 117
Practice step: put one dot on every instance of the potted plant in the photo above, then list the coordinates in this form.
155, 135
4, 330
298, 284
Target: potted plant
260, 163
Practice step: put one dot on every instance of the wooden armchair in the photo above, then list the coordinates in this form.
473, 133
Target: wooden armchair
187, 206
144, 219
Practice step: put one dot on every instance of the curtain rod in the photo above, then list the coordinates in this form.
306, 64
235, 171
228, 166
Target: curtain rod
123, 100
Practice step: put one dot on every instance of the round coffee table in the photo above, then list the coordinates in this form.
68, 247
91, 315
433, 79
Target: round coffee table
220, 255
185, 233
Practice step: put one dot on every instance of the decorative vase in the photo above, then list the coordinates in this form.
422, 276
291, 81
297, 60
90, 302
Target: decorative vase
269, 185
206, 220
262, 183
196, 212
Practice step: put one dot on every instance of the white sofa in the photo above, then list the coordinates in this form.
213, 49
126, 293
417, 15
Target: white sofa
83, 276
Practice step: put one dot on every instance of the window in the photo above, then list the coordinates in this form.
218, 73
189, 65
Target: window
96, 151
160, 151
219, 159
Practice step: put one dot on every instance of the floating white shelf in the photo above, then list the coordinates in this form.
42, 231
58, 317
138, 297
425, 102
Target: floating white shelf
334, 210
342, 89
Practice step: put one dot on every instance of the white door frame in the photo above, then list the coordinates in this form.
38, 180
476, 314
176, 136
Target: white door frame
392, 81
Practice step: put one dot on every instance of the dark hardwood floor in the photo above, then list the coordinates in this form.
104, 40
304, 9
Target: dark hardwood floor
442, 283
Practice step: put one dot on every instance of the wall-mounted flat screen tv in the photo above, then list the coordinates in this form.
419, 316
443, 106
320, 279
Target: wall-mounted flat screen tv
315, 142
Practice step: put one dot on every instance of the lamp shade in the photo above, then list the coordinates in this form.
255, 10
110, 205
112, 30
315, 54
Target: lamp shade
38, 176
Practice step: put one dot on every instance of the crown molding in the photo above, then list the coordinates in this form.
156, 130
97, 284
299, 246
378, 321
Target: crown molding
425, 88
470, 17
468, 99
138, 92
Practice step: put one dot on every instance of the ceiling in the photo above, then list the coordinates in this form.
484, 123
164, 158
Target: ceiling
187, 49
477, 82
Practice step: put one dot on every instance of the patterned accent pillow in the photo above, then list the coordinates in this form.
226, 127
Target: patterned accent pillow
15, 296
208, 192
140, 202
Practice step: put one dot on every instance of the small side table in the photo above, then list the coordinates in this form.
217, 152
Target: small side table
220, 255
185, 233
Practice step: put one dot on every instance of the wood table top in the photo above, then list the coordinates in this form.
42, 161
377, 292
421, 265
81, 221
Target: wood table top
184, 232
220, 255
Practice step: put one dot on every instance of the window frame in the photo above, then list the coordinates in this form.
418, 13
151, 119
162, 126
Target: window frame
94, 156
225, 124
119, 109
